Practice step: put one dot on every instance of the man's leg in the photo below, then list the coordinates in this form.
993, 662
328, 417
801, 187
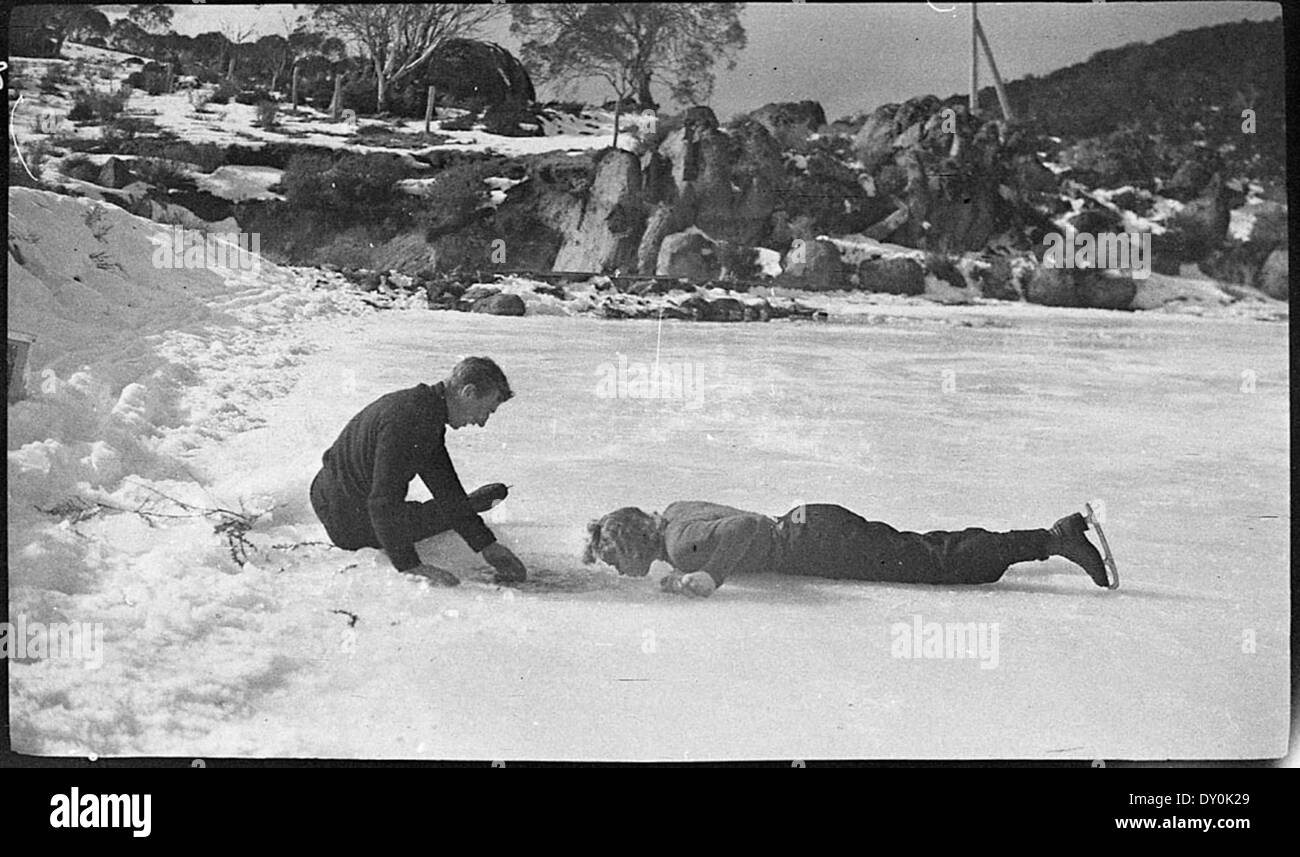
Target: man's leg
831, 541
347, 522
427, 518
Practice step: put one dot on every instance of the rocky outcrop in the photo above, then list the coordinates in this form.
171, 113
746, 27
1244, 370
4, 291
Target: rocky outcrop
1274, 278
896, 276
689, 254
469, 70
813, 265
791, 123
499, 304
1081, 287
606, 231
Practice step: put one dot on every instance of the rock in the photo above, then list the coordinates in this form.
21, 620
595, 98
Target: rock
662, 222
470, 70
1052, 287
699, 119
499, 304
479, 291
791, 122
115, 174
1105, 289
874, 142
944, 283
1159, 291
606, 235
813, 265
1273, 277
690, 254
998, 280
898, 276
367, 280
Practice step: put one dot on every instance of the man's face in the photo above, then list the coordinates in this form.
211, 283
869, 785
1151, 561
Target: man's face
466, 408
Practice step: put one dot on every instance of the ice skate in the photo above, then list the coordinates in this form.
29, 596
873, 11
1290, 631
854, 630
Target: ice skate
1070, 542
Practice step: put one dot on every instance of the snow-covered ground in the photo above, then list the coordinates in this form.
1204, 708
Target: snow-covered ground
179, 392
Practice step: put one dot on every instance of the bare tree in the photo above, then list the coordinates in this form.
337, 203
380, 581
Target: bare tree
630, 44
400, 37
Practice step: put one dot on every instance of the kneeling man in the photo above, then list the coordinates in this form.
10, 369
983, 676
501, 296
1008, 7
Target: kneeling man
360, 492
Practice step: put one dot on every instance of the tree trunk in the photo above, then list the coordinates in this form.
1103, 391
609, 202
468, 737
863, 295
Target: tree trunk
296, 70
643, 96
230, 70
381, 88
336, 103
618, 115
428, 108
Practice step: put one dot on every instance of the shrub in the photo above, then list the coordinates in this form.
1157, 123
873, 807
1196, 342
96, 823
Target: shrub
253, 96
367, 180
162, 174
266, 111
223, 93
306, 181
96, 105
55, 77
454, 196
81, 167
509, 119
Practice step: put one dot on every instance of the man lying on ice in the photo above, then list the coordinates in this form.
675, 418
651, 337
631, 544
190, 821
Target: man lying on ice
706, 543
360, 492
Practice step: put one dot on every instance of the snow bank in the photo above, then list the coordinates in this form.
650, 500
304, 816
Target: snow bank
133, 367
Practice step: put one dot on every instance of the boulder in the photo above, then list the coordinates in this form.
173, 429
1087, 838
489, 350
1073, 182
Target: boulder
690, 254
896, 276
1105, 289
1158, 291
470, 70
1052, 287
813, 265
607, 232
791, 123
499, 304
998, 280
1273, 277
115, 174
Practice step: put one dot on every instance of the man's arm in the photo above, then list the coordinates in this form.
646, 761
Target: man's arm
727, 542
440, 478
388, 487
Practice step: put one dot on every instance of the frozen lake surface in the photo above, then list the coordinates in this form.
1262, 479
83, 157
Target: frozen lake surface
1003, 420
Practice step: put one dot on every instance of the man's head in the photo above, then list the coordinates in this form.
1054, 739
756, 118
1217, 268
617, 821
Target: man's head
475, 388
628, 539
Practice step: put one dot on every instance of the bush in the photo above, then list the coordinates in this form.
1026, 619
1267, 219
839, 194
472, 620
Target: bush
460, 123
34, 156
253, 96
454, 196
367, 180
95, 105
162, 174
223, 93
56, 77
266, 111
306, 182
81, 167
509, 118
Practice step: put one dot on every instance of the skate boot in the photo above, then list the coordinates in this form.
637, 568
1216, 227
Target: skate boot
484, 498
1069, 541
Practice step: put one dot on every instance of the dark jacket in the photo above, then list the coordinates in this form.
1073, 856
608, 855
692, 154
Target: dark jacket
391, 441
720, 540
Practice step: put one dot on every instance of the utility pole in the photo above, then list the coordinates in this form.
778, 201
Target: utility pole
974, 60
1003, 100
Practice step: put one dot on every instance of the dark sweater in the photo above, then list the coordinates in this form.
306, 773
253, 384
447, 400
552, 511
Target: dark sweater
391, 441
720, 540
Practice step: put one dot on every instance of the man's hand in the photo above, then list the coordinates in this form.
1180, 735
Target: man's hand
509, 568
436, 576
697, 584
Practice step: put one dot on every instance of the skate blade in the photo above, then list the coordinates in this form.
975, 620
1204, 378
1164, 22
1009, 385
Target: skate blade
1108, 558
